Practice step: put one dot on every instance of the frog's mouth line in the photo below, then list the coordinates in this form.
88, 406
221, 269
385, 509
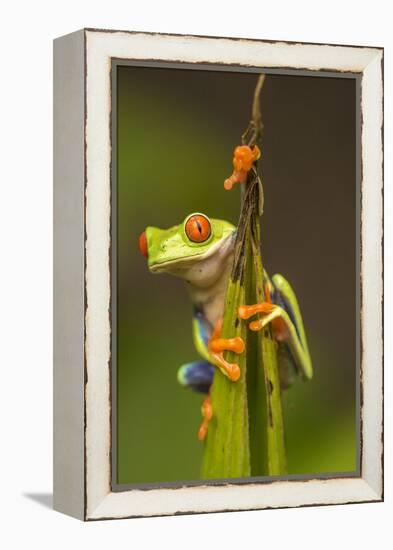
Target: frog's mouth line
223, 246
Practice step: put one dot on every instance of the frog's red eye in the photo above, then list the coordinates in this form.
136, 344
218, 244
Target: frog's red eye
143, 244
198, 228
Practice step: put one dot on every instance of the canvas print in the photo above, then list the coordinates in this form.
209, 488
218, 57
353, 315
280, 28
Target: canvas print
235, 267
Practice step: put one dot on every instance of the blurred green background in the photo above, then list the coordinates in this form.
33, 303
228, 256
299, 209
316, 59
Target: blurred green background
176, 130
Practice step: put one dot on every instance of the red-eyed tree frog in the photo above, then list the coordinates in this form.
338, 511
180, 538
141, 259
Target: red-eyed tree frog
200, 251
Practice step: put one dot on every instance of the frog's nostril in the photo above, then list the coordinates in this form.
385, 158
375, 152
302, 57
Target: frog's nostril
143, 244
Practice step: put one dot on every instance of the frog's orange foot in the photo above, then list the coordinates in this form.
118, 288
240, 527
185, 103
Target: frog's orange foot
207, 413
243, 159
218, 345
270, 313
245, 312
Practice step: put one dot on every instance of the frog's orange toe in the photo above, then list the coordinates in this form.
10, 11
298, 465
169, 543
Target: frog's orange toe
202, 432
228, 184
245, 312
238, 176
207, 413
235, 344
256, 325
234, 372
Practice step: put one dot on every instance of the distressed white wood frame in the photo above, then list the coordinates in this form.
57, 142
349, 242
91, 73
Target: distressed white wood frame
99, 500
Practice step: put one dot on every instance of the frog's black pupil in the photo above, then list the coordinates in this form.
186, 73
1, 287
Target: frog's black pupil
199, 227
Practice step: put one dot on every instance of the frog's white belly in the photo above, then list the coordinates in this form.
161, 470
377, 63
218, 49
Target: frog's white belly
206, 278
211, 300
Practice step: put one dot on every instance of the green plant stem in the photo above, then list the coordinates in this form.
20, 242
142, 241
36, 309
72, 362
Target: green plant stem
246, 434
277, 462
255, 382
227, 449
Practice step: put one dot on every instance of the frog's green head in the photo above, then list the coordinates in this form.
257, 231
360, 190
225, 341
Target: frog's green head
196, 250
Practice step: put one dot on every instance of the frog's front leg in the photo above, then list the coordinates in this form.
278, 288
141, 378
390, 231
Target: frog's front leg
287, 324
199, 375
211, 346
218, 345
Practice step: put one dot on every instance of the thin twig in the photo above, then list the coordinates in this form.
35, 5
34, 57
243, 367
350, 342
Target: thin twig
254, 130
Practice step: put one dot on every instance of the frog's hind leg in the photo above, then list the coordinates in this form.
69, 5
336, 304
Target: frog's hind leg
285, 297
211, 347
199, 377
281, 309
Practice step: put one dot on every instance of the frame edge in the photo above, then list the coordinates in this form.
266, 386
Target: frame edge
68, 274
364, 489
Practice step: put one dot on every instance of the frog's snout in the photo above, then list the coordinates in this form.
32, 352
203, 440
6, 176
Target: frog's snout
143, 244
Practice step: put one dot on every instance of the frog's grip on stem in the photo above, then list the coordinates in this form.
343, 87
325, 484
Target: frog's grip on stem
270, 314
218, 345
245, 312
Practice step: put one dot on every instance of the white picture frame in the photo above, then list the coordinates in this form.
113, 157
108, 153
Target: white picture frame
82, 257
